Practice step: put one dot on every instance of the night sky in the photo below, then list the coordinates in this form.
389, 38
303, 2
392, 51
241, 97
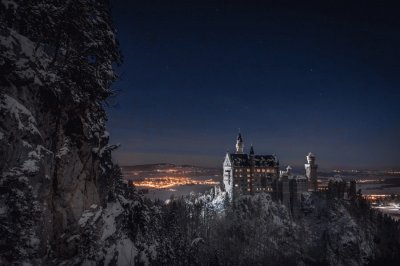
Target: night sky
294, 77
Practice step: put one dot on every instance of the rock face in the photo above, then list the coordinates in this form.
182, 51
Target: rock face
54, 153
50, 160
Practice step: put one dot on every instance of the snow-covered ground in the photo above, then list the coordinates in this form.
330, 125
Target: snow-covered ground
392, 209
178, 191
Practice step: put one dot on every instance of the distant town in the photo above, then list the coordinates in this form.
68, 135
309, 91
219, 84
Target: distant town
250, 173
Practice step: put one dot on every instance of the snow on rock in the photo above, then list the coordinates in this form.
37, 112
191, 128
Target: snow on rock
196, 241
124, 201
105, 134
49, 117
20, 113
86, 215
65, 149
72, 238
126, 252
90, 216
106, 148
3, 210
109, 254
113, 210
26, 144
97, 216
30, 166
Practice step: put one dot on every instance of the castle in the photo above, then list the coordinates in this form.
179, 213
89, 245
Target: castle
247, 174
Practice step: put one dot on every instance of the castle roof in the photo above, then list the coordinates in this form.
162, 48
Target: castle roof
239, 138
243, 160
251, 150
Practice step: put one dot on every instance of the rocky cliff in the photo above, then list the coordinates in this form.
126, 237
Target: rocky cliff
56, 70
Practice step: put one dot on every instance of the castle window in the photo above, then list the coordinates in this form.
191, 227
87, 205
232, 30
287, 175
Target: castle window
248, 180
248, 189
258, 170
263, 170
248, 169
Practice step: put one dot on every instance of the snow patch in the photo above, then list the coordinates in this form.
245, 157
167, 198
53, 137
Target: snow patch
100, 151
126, 252
30, 166
88, 214
3, 210
34, 241
110, 253
72, 238
19, 111
105, 134
112, 211
196, 241
85, 217
124, 200
23, 179
97, 215
64, 150
26, 144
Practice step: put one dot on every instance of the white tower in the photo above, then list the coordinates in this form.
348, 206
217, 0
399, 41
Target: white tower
228, 176
289, 170
239, 144
311, 171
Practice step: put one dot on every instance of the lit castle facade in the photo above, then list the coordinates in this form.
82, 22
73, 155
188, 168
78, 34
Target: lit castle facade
247, 174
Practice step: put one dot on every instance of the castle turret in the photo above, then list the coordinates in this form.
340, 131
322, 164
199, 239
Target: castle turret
239, 144
251, 151
311, 171
289, 170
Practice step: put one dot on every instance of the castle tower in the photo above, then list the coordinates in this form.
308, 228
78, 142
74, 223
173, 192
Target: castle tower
289, 170
251, 151
239, 144
311, 171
